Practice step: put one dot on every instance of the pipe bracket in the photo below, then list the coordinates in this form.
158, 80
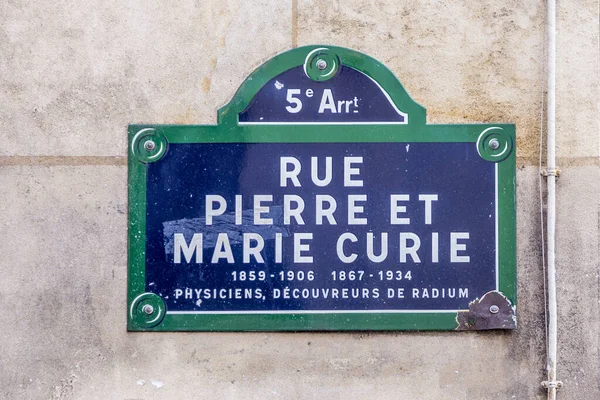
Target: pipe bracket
552, 384
550, 172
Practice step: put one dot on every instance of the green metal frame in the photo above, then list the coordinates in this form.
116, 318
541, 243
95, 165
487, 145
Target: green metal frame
229, 131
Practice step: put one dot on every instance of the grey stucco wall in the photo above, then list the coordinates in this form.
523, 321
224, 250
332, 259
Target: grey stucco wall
74, 74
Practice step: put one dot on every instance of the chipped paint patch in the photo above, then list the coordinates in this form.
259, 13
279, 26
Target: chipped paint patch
157, 384
492, 311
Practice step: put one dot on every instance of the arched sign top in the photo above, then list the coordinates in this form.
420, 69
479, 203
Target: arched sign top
322, 85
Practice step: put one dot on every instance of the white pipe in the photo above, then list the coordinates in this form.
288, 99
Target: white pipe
551, 217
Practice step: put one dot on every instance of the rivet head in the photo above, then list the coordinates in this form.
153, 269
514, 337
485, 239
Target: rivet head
321, 64
149, 145
494, 144
148, 309
494, 309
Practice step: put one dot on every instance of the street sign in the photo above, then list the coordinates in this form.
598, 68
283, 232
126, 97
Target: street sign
321, 201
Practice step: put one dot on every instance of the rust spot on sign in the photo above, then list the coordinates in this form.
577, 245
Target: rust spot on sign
492, 311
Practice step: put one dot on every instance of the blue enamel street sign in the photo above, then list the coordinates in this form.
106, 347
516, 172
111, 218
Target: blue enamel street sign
322, 201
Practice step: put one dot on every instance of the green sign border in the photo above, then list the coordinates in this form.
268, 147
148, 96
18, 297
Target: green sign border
147, 312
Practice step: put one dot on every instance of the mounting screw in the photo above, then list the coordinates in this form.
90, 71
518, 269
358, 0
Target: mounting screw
494, 144
321, 64
149, 145
148, 309
494, 309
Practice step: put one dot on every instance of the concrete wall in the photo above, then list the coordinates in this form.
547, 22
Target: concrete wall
74, 74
